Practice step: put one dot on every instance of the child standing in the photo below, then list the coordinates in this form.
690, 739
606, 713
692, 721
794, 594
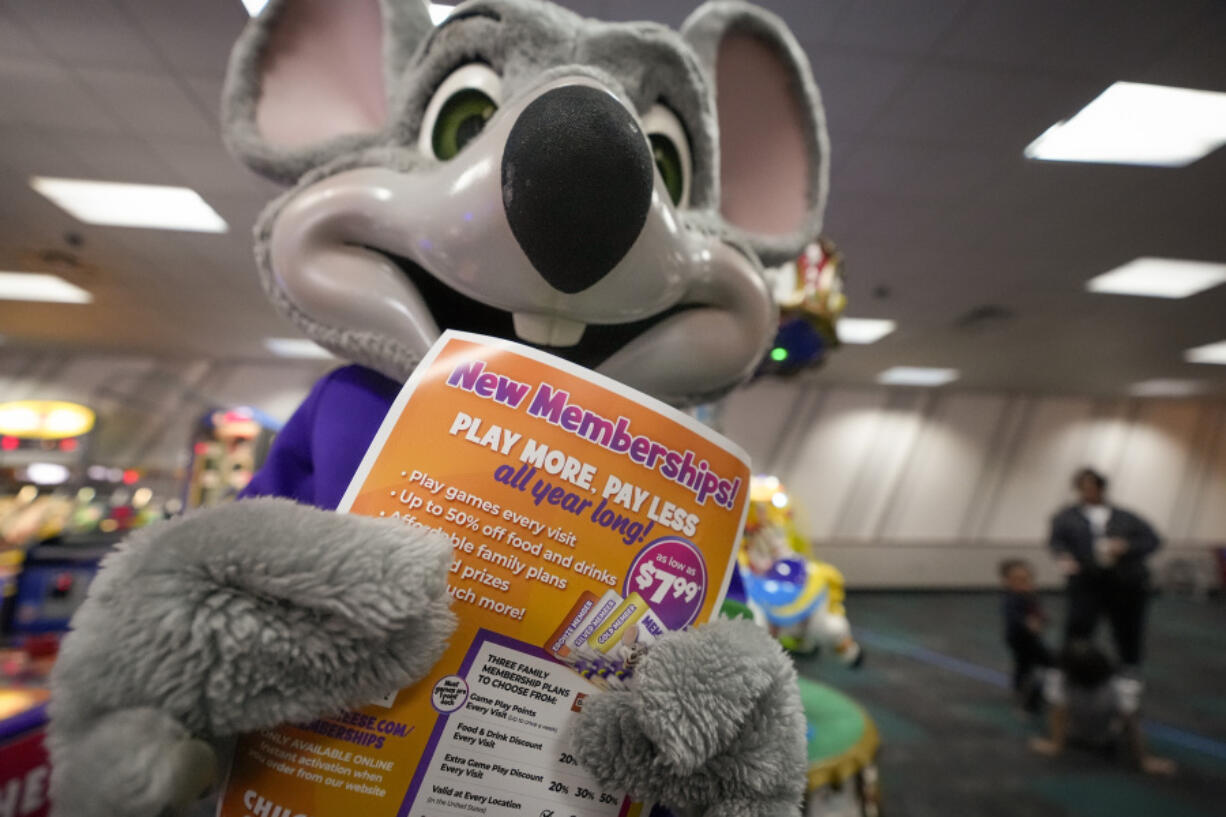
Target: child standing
1024, 622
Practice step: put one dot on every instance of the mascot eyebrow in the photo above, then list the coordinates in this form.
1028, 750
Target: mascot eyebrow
452, 19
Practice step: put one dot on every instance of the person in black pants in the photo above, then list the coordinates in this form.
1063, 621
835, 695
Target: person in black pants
1024, 622
1102, 549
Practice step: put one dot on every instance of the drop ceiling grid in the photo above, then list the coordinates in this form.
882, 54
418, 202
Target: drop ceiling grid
929, 105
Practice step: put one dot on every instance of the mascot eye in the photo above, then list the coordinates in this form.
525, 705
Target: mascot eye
671, 150
459, 110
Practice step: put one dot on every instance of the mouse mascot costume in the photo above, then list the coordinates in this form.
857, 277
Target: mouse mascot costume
607, 192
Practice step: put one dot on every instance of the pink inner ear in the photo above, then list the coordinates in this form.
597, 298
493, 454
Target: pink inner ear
323, 73
764, 163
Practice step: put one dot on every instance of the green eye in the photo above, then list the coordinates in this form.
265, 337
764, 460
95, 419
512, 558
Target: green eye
668, 160
461, 118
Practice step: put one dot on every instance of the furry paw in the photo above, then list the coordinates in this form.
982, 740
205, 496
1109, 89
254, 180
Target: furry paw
712, 725
131, 763
255, 614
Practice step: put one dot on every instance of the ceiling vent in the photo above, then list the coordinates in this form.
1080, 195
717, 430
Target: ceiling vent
985, 318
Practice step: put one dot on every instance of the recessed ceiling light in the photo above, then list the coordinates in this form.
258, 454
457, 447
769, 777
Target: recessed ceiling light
1159, 278
917, 376
438, 11
118, 204
1137, 124
39, 286
1162, 387
1209, 353
863, 330
296, 347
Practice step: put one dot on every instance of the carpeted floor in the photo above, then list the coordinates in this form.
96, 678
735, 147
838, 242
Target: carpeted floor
953, 743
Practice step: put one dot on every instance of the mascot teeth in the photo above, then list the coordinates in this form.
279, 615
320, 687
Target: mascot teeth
547, 330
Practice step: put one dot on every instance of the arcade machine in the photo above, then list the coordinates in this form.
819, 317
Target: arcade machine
228, 447
41, 443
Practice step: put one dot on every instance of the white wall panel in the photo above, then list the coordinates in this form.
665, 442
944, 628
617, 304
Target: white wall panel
828, 457
761, 414
1107, 434
908, 488
1049, 445
1208, 522
881, 464
944, 474
1155, 459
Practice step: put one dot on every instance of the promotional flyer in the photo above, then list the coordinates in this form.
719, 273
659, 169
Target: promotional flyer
586, 521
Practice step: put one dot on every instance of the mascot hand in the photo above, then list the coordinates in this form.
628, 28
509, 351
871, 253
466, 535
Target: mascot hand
711, 725
240, 618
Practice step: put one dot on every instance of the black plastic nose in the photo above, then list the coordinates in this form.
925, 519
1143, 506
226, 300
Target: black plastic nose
576, 184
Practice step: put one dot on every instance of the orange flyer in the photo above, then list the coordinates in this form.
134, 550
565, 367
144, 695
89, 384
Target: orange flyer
586, 520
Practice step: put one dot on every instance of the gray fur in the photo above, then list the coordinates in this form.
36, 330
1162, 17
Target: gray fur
132, 763
235, 619
703, 30
712, 725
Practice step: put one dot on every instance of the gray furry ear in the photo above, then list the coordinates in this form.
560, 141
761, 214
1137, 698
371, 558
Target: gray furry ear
309, 79
774, 152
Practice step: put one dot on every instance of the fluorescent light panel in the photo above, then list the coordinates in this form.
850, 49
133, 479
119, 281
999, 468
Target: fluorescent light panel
917, 376
296, 347
438, 11
863, 330
1163, 387
1159, 278
118, 204
1138, 124
1209, 353
39, 286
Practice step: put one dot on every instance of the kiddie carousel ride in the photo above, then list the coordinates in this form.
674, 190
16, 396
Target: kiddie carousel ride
796, 597
799, 600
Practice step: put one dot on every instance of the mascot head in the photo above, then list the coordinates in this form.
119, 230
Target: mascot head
606, 192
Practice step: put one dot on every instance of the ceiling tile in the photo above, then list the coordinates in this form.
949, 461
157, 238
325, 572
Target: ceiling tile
87, 33
42, 93
1194, 58
929, 173
855, 87
1093, 37
15, 40
207, 93
899, 26
202, 48
208, 168
115, 157
151, 104
980, 108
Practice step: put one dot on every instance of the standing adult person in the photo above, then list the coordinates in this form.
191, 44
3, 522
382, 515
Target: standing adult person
1102, 549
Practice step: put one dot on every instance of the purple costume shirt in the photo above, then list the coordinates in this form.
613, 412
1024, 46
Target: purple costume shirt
319, 450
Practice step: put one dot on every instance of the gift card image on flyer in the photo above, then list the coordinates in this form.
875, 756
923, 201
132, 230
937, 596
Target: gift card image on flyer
586, 520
